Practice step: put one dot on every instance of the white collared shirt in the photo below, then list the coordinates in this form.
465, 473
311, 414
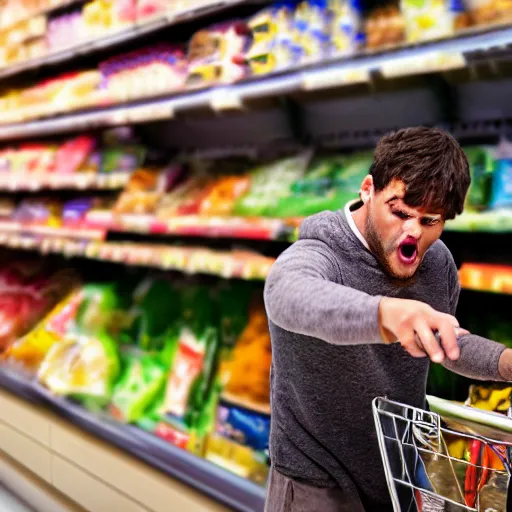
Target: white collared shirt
352, 224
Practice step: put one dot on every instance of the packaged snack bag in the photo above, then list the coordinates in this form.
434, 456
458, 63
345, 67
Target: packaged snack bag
384, 27
481, 163
501, 188
272, 40
85, 363
153, 316
247, 374
240, 443
27, 293
30, 350
139, 385
81, 366
73, 154
431, 19
40, 212
192, 376
223, 194
270, 183
217, 54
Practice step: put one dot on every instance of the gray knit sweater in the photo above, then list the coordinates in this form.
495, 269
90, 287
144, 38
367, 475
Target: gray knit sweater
329, 361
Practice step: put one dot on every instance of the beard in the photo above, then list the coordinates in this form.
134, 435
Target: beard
382, 254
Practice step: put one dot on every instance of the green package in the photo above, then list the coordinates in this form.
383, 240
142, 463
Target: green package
481, 165
269, 184
154, 314
139, 385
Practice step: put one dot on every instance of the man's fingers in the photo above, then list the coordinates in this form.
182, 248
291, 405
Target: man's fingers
449, 340
410, 344
414, 350
453, 321
429, 342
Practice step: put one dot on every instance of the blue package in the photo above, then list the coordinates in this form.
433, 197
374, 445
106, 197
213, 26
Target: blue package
244, 427
501, 192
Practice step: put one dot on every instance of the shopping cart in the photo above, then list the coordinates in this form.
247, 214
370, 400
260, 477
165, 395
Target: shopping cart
457, 460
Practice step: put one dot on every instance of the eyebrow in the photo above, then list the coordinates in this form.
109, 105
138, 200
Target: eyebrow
436, 216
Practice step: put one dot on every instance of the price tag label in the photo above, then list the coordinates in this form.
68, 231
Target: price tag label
429, 63
225, 99
117, 117
151, 112
330, 78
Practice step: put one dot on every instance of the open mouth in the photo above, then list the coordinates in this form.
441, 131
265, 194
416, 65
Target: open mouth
408, 251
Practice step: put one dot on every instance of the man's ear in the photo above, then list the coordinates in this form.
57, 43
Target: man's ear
366, 191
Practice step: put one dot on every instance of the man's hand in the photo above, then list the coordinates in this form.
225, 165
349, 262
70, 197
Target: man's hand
413, 324
505, 365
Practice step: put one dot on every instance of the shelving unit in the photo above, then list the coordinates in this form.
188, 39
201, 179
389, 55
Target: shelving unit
340, 104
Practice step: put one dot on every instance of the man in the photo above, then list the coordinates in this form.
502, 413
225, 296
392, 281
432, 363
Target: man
353, 307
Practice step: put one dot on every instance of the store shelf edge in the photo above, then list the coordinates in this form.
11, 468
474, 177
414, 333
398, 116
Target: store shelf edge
227, 488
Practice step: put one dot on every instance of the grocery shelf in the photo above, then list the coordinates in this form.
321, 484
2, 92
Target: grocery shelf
235, 264
326, 75
194, 225
119, 37
227, 488
499, 221
14, 182
41, 12
8, 228
486, 277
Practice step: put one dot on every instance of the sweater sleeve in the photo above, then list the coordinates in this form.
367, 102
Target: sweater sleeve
301, 296
479, 357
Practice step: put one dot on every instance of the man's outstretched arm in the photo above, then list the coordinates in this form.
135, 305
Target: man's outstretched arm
480, 358
301, 296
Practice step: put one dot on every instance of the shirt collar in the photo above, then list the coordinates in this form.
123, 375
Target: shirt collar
352, 224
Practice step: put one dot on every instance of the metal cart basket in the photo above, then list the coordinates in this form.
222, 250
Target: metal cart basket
455, 459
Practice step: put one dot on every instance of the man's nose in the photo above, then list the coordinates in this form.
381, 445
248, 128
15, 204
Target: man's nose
413, 228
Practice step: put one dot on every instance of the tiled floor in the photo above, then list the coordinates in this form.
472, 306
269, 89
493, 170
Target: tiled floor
11, 503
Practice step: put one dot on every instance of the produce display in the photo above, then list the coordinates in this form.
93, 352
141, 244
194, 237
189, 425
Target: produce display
186, 361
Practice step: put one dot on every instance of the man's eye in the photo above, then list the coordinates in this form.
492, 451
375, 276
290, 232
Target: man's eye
430, 222
401, 215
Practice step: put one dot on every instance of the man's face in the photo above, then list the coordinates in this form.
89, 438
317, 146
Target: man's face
400, 235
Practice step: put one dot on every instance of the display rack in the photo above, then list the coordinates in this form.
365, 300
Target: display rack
225, 487
118, 37
317, 77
